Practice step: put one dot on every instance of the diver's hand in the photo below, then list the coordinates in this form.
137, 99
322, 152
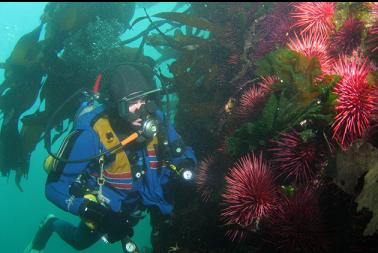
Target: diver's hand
96, 214
119, 227
116, 225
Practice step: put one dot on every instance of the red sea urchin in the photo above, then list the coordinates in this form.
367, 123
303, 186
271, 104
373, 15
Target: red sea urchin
355, 105
348, 38
357, 100
313, 45
210, 177
255, 95
250, 195
314, 17
297, 225
356, 65
267, 83
249, 100
295, 158
273, 30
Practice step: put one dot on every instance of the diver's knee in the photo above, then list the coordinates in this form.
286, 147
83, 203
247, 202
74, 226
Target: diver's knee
80, 246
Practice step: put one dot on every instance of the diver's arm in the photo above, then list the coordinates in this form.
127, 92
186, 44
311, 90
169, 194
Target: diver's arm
58, 190
180, 151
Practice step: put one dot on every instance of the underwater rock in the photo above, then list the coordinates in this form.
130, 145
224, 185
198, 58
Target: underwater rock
351, 165
360, 162
368, 197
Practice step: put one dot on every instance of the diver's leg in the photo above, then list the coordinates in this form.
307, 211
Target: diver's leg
161, 235
79, 237
42, 236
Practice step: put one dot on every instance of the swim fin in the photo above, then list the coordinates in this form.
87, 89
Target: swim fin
42, 236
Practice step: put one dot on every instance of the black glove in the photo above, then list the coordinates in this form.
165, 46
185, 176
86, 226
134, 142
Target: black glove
119, 227
116, 225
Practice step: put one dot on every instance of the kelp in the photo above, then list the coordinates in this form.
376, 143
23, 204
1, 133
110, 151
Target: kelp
26, 51
153, 26
34, 57
63, 18
190, 20
180, 41
176, 20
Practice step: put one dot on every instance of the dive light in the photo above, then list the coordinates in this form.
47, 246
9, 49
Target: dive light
185, 173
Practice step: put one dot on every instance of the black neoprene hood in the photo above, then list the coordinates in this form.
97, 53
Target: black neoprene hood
126, 80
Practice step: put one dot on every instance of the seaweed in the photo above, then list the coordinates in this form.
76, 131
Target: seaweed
69, 56
297, 98
190, 20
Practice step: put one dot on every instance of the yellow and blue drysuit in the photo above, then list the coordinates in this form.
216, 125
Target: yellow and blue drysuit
123, 191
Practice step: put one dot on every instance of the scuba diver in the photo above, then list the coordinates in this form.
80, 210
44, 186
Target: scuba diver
118, 161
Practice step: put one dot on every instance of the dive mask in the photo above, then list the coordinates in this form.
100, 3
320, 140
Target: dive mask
124, 103
146, 112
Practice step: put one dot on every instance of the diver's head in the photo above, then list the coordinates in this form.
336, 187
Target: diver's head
127, 86
131, 100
